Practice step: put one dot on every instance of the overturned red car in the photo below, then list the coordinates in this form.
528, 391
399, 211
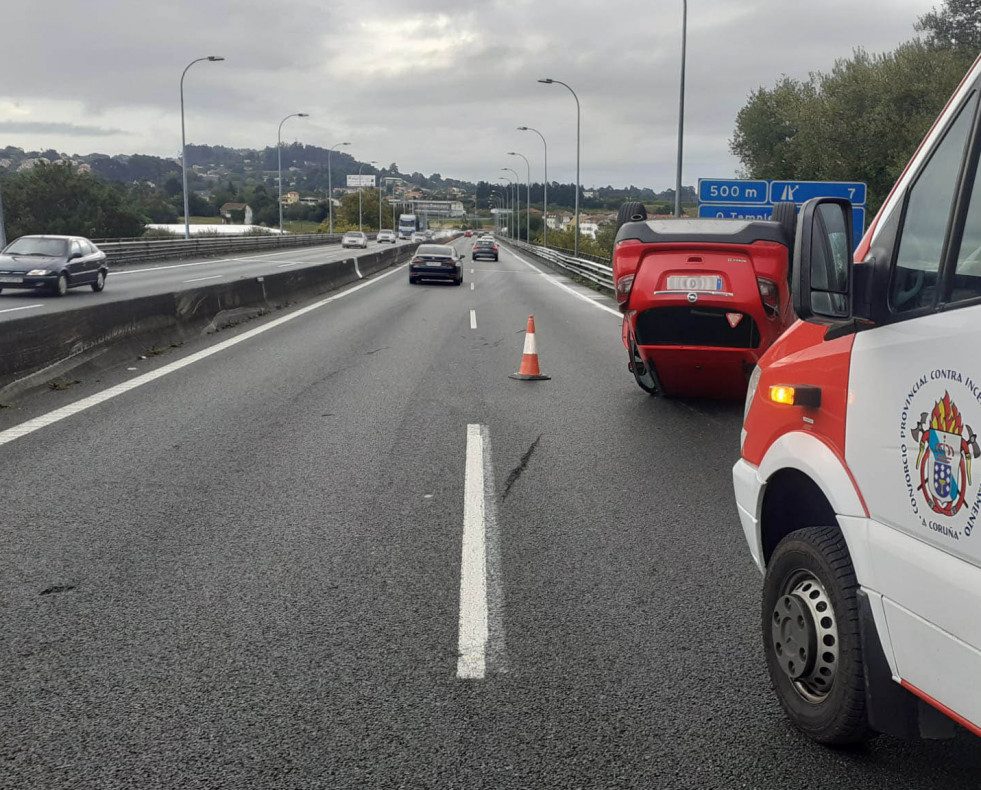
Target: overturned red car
702, 298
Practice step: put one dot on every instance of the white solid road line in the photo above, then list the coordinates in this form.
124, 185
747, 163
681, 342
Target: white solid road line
209, 277
25, 307
248, 259
473, 319
284, 265
473, 630
564, 287
37, 423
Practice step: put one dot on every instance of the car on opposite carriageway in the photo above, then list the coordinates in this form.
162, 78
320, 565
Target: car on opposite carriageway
436, 263
355, 238
52, 263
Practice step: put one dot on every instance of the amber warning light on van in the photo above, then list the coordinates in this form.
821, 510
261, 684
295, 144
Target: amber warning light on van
808, 397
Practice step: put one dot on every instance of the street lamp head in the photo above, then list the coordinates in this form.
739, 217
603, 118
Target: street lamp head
215, 58
345, 143
303, 115
512, 153
522, 128
546, 82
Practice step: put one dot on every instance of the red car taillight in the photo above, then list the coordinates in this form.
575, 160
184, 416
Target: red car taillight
495, 248
624, 285
769, 294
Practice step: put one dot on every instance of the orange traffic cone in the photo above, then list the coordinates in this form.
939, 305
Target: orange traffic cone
529, 359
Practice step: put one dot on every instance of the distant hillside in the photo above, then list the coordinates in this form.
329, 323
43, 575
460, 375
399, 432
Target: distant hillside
304, 168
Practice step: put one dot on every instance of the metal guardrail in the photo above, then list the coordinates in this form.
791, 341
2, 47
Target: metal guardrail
120, 253
600, 274
582, 255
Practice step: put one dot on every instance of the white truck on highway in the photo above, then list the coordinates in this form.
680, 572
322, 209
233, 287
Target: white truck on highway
408, 224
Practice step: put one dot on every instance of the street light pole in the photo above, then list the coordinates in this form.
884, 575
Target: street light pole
279, 155
330, 186
360, 190
681, 108
3, 232
509, 192
527, 195
578, 148
545, 193
495, 196
187, 221
379, 205
517, 191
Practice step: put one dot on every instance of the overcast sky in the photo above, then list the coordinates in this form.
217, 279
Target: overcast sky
434, 86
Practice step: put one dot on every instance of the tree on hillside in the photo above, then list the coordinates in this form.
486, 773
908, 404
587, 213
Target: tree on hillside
860, 122
348, 212
56, 199
956, 24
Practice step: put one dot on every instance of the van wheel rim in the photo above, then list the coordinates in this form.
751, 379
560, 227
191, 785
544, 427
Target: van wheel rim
804, 636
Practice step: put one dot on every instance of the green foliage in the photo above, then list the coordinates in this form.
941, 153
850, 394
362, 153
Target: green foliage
957, 24
602, 245
56, 199
347, 214
860, 122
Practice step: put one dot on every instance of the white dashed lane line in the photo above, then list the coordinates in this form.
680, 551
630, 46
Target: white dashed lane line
201, 279
481, 640
25, 307
473, 319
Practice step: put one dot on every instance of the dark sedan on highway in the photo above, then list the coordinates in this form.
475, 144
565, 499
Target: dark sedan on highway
52, 263
484, 248
436, 262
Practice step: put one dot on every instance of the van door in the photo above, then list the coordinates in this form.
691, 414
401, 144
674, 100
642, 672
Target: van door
913, 420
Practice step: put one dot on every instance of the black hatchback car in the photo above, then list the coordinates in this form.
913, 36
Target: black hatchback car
438, 262
52, 263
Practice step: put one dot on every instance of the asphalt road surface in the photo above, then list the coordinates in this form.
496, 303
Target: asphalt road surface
342, 549
172, 276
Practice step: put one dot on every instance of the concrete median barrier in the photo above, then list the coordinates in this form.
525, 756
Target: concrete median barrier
36, 343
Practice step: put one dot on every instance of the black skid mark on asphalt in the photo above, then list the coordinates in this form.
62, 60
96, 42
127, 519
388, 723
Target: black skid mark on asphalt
522, 465
369, 353
57, 588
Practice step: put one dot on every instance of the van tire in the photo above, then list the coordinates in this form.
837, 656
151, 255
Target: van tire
785, 215
817, 559
631, 212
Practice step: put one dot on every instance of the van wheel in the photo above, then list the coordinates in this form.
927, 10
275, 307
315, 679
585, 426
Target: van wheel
811, 636
642, 372
785, 215
631, 212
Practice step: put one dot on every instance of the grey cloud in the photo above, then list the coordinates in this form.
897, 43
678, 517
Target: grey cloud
55, 127
456, 111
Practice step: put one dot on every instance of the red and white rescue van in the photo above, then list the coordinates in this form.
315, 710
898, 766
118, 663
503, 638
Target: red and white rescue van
859, 482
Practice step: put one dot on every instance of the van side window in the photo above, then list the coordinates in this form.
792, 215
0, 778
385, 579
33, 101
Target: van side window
914, 279
967, 275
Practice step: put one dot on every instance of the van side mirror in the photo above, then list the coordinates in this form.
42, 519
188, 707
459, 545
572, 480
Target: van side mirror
823, 270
